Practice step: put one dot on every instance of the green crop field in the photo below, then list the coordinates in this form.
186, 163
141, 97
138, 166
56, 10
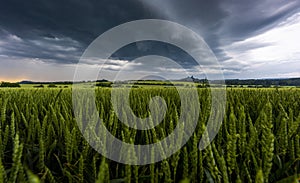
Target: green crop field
259, 140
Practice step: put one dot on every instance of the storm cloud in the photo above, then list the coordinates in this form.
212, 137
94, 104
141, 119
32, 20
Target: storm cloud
37, 33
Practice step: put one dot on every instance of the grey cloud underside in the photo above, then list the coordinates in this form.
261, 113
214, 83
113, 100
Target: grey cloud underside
59, 31
47, 49
143, 48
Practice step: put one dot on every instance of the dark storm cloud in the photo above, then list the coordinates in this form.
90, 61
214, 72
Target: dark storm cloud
80, 20
58, 31
204, 17
143, 48
42, 24
248, 18
47, 48
222, 22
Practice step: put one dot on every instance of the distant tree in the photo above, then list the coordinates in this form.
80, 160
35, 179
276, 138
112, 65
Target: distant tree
266, 86
8, 84
102, 80
104, 84
52, 86
39, 86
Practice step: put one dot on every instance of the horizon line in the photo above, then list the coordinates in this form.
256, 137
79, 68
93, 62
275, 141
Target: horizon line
71, 81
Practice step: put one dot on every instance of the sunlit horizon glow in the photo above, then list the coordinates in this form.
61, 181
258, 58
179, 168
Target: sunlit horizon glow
12, 80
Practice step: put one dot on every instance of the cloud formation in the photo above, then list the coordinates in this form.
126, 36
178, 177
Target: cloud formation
246, 36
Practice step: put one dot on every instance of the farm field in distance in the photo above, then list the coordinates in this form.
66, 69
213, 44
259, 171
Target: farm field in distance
259, 140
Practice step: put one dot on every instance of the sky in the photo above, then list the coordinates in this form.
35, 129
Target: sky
44, 40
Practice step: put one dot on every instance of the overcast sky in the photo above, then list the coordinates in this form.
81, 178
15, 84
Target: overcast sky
43, 40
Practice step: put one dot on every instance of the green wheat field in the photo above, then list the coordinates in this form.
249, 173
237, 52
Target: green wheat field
259, 140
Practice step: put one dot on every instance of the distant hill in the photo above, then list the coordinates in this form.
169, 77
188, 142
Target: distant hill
261, 82
46, 82
193, 79
26, 82
265, 82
